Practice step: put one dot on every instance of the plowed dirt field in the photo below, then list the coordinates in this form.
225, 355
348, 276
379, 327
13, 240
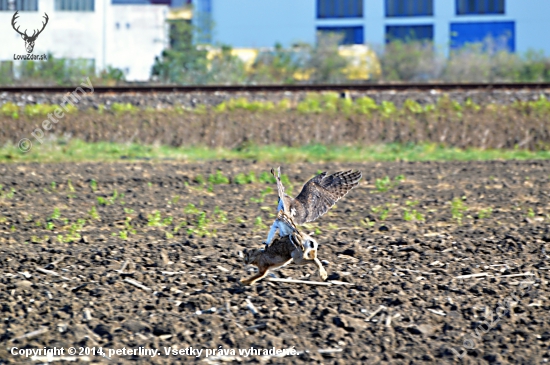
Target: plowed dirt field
445, 264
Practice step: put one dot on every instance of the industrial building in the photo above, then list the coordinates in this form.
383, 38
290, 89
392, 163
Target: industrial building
518, 25
129, 34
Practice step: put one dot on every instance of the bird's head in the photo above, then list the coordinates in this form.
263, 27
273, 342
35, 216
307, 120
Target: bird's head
278, 172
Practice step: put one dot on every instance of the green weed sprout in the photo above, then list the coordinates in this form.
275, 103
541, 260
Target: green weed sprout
485, 213
218, 178
259, 224
190, 209
56, 214
154, 220
385, 184
457, 210
199, 179
93, 213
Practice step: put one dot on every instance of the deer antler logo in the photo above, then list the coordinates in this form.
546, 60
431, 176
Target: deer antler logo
29, 40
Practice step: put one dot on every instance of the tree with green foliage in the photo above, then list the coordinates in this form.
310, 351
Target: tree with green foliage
324, 61
410, 61
277, 66
183, 61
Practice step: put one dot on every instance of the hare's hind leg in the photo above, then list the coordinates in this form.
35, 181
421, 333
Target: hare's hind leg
254, 278
263, 272
322, 271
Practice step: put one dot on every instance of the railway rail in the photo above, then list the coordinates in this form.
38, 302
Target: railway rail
282, 88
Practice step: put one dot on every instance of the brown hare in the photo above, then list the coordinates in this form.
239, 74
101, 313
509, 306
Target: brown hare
296, 247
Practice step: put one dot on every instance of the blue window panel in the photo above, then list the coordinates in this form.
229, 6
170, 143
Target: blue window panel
404, 8
409, 32
74, 5
19, 5
503, 34
352, 35
339, 9
479, 7
130, 2
205, 6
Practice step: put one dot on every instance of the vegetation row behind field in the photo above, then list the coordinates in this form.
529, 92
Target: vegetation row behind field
79, 151
320, 119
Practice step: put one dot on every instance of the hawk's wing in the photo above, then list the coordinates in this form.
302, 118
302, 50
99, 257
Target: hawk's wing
322, 192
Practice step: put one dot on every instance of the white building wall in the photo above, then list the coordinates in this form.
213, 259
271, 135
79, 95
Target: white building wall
93, 35
141, 35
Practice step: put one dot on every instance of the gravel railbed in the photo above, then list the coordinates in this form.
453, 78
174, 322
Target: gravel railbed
169, 99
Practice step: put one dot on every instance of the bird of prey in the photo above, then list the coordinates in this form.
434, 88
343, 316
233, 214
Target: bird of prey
318, 195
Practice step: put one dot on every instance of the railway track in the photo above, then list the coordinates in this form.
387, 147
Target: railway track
282, 88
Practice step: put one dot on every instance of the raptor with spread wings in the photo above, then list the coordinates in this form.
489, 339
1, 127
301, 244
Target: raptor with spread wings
317, 196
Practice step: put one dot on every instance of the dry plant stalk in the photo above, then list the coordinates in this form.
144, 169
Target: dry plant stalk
490, 127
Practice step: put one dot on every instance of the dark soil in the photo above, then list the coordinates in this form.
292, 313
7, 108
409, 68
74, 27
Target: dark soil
195, 298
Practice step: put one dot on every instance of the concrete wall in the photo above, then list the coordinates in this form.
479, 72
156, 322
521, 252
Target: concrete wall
93, 35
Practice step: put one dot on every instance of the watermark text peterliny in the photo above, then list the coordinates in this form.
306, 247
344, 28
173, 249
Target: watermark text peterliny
25, 144
504, 307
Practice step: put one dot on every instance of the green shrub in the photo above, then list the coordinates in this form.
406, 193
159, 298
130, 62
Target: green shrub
387, 109
365, 105
118, 108
32, 110
10, 109
311, 104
